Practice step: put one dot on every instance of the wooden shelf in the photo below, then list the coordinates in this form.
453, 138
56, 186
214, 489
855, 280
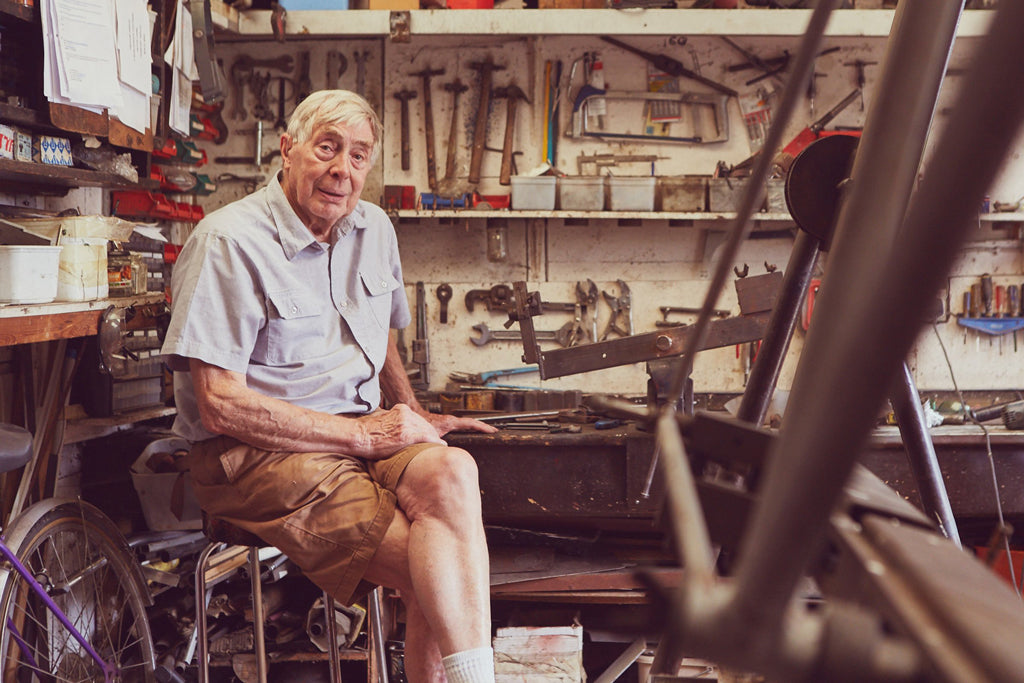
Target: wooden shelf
689, 22
470, 214
84, 429
18, 11
43, 176
29, 323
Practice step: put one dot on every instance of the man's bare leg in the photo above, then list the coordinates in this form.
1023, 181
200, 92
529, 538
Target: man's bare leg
436, 553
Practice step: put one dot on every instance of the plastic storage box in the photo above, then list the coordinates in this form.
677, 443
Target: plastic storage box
28, 273
683, 194
581, 193
631, 194
533, 193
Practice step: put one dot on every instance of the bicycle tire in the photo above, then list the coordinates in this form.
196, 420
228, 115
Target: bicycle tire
83, 562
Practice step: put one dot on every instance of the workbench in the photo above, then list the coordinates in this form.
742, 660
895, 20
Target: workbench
593, 481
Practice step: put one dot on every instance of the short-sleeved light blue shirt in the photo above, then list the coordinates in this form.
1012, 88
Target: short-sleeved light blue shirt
306, 321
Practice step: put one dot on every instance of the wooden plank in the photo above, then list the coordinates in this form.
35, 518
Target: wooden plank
78, 120
37, 328
125, 136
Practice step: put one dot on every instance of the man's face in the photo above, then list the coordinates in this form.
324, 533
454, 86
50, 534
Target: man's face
324, 175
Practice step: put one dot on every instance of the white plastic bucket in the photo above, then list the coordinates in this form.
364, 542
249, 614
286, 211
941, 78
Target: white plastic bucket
28, 274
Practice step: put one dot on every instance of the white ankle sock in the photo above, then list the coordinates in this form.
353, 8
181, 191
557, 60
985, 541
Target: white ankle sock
470, 666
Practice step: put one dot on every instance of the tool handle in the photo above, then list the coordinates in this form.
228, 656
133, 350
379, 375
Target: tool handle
986, 295
975, 300
506, 149
428, 126
1013, 301
1000, 297
405, 135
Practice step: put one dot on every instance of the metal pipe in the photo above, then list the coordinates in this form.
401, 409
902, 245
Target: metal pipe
765, 372
803, 68
821, 440
906, 404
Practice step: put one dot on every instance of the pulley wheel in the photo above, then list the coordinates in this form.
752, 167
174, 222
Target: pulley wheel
814, 185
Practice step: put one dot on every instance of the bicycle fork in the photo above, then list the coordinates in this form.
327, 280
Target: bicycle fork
108, 670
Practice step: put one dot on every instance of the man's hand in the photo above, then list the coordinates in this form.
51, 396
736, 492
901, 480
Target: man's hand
388, 431
450, 423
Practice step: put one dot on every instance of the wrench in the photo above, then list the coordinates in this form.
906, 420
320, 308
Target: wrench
336, 66
361, 56
487, 335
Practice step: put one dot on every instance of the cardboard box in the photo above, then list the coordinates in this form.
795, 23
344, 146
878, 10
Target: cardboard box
6, 141
535, 654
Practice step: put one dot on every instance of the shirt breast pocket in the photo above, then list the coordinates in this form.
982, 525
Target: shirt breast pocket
293, 330
378, 289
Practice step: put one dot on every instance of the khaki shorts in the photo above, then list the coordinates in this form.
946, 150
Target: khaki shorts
327, 512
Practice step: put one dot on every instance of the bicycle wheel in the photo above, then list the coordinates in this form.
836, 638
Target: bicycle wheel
83, 563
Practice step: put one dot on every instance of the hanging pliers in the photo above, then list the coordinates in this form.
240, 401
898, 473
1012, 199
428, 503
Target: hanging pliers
621, 320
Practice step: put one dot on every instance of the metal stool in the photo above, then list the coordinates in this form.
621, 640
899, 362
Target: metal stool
222, 533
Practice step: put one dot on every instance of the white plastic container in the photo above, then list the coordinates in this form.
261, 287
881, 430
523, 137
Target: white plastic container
533, 193
581, 193
83, 269
631, 194
28, 274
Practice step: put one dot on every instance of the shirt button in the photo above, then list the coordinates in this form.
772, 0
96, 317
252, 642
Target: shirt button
295, 309
383, 283
344, 304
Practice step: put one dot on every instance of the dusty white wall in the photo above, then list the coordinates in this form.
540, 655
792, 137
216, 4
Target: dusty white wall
663, 263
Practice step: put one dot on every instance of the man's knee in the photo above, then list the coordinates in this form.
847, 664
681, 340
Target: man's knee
443, 481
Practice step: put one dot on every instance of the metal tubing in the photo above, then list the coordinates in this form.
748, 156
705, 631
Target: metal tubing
258, 620
377, 635
333, 663
906, 404
821, 441
201, 601
803, 69
765, 373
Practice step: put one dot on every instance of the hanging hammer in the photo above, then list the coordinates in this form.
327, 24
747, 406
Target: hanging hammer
486, 69
428, 123
456, 88
513, 93
404, 96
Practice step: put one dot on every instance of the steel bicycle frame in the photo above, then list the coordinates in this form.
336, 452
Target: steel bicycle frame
898, 612
109, 671
869, 318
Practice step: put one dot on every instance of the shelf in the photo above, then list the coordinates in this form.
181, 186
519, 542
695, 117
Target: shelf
23, 116
471, 214
88, 428
29, 323
1001, 217
17, 10
40, 177
560, 22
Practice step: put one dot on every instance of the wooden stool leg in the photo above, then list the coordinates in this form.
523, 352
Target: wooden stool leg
259, 639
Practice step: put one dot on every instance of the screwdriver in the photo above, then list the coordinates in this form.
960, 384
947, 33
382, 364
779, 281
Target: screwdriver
1013, 306
986, 295
967, 311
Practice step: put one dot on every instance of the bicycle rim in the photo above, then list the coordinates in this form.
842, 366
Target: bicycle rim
80, 559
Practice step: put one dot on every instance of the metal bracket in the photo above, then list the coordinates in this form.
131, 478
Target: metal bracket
400, 22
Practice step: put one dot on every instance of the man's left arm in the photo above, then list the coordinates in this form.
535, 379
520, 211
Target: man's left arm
395, 385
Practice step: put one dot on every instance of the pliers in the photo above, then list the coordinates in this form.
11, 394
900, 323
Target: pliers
621, 311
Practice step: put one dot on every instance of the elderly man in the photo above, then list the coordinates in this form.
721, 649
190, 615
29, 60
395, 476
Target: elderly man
280, 337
